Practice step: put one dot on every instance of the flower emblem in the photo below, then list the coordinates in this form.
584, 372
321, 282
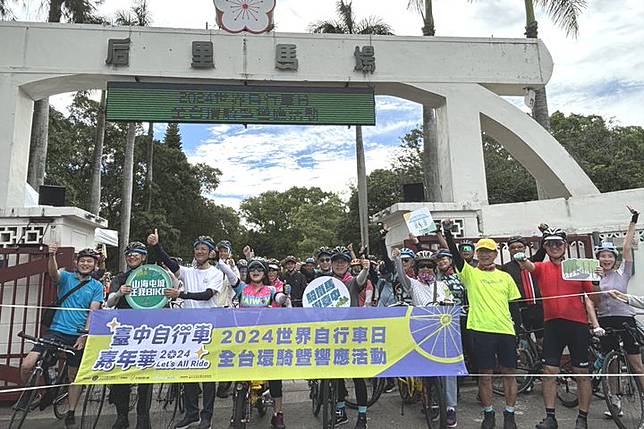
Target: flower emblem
254, 16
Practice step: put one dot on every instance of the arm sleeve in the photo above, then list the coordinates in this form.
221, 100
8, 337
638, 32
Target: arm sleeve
239, 288
385, 256
459, 262
362, 277
404, 280
165, 258
198, 296
230, 274
539, 255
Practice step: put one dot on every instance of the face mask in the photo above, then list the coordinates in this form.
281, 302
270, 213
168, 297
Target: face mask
426, 277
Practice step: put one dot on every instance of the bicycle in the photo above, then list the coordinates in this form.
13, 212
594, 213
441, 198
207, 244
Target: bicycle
246, 396
622, 389
45, 368
93, 405
166, 400
375, 387
431, 392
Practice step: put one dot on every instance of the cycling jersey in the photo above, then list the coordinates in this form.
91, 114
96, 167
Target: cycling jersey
70, 322
251, 296
616, 279
279, 287
552, 284
196, 280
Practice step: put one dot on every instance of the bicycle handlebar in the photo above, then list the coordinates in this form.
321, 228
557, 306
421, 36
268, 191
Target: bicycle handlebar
48, 343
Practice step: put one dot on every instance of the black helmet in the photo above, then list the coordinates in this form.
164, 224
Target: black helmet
262, 264
322, 251
554, 234
289, 258
204, 239
341, 252
88, 252
273, 264
443, 253
309, 260
242, 263
466, 243
517, 239
136, 247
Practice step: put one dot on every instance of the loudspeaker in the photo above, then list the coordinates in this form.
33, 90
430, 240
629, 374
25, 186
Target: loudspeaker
413, 193
50, 195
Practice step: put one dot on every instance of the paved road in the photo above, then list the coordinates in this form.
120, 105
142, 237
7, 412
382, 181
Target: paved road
385, 414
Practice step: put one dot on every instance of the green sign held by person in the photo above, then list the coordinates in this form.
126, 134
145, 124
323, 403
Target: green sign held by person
148, 282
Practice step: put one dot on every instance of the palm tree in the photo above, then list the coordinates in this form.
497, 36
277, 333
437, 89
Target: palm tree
431, 177
346, 23
73, 11
137, 15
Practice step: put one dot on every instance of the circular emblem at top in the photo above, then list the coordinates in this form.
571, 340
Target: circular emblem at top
148, 283
254, 16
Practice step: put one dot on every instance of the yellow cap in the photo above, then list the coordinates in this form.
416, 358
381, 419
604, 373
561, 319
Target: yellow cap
486, 243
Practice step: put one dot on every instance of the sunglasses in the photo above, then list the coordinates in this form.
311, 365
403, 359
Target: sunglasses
256, 270
132, 254
554, 244
406, 260
324, 260
426, 266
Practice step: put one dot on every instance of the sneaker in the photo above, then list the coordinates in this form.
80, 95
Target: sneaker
508, 420
548, 423
341, 417
608, 415
390, 386
361, 423
121, 422
489, 421
581, 423
451, 418
277, 421
70, 420
187, 422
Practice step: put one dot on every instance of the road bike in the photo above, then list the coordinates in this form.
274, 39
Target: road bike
246, 396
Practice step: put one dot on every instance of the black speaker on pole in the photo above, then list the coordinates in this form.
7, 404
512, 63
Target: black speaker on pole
50, 195
413, 192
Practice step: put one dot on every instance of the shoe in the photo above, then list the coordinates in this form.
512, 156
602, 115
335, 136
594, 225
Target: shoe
121, 422
581, 423
489, 420
341, 417
451, 418
508, 420
608, 415
204, 424
361, 423
70, 420
277, 421
390, 386
187, 422
548, 423
143, 422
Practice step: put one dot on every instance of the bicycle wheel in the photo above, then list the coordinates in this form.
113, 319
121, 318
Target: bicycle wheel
525, 367
375, 387
436, 397
329, 390
622, 392
240, 406
316, 398
61, 404
567, 391
406, 389
164, 404
24, 404
92, 406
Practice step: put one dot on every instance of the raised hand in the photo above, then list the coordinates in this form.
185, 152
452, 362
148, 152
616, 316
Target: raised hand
395, 252
448, 224
248, 252
365, 264
542, 227
153, 239
632, 210
53, 248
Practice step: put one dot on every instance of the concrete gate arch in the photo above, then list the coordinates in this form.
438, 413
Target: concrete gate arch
462, 77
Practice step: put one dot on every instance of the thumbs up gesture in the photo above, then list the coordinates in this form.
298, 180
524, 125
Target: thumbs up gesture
153, 239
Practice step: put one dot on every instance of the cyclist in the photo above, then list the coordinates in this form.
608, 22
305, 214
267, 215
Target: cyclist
225, 252
293, 277
82, 291
493, 338
242, 267
340, 260
614, 313
201, 282
324, 262
407, 257
466, 250
308, 269
566, 315
274, 279
259, 292
527, 314
426, 290
366, 294
135, 255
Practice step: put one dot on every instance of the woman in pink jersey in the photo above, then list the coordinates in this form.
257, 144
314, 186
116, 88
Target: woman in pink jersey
258, 293
274, 278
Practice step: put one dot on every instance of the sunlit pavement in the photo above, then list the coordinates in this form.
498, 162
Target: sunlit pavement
385, 414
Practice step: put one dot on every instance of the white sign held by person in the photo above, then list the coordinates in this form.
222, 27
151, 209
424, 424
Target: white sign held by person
326, 292
580, 269
420, 222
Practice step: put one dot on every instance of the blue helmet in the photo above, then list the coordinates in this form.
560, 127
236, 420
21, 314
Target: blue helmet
606, 246
406, 252
204, 239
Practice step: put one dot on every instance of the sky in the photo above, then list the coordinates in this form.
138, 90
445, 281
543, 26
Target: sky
599, 72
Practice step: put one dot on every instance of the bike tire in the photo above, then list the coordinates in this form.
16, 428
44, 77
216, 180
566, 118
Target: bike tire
329, 390
523, 374
240, 405
375, 387
93, 406
405, 389
164, 404
61, 405
316, 397
567, 391
25, 400
627, 388
438, 395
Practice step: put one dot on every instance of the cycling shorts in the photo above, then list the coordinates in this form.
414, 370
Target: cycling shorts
611, 341
561, 333
488, 348
68, 340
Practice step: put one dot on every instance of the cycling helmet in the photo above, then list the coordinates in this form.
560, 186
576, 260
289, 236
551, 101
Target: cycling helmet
309, 260
322, 251
258, 263
273, 264
204, 239
463, 244
289, 258
88, 252
226, 244
341, 252
136, 247
605, 246
355, 262
554, 234
424, 255
406, 252
242, 263
443, 253
516, 239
